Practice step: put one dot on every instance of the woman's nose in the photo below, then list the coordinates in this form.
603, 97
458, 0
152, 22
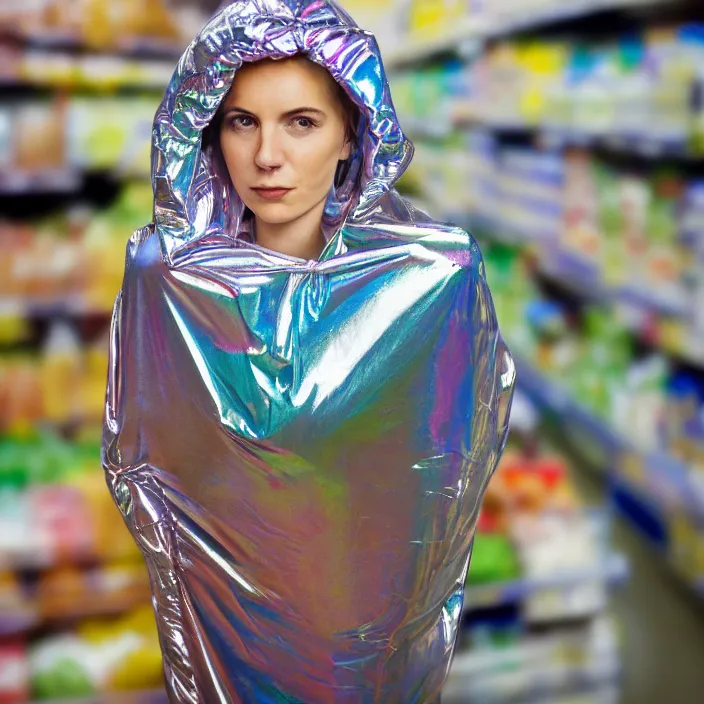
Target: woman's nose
268, 154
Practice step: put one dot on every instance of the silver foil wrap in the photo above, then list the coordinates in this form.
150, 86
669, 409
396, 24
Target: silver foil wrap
300, 448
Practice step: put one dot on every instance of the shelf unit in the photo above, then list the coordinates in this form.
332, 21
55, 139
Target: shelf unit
487, 25
654, 491
56, 68
464, 114
573, 275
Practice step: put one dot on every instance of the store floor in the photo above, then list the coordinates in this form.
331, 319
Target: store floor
663, 630
662, 625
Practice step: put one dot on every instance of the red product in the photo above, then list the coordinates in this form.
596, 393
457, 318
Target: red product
14, 673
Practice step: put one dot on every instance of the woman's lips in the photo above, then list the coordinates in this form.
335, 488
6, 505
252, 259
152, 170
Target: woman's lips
272, 193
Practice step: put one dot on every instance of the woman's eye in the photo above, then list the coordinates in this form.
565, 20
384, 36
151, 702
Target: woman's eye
304, 123
242, 122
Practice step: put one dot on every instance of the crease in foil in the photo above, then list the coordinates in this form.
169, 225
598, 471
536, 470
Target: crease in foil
300, 448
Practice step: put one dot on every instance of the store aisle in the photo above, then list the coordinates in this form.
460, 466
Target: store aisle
661, 622
663, 630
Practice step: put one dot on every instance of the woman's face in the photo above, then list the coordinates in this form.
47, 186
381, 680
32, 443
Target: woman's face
282, 136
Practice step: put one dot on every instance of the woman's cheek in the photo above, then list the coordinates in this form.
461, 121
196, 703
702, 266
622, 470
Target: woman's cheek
323, 168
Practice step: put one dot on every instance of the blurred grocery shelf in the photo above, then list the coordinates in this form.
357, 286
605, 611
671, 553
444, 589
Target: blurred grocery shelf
651, 317
467, 115
152, 697
572, 273
14, 183
68, 307
130, 31
568, 138
613, 572
543, 14
542, 668
79, 86
93, 72
498, 20
420, 49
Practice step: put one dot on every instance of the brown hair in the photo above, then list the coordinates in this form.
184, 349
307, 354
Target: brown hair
351, 113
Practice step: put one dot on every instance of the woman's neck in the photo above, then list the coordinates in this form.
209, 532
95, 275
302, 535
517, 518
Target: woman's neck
302, 238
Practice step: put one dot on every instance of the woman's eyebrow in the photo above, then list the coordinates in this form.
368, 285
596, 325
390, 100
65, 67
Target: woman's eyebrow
290, 113
234, 108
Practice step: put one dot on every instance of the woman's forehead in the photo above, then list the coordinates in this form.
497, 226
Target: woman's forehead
275, 82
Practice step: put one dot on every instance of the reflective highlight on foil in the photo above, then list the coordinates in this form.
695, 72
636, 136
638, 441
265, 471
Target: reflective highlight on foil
300, 448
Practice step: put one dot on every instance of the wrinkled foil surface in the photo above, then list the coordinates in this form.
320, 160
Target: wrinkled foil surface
300, 448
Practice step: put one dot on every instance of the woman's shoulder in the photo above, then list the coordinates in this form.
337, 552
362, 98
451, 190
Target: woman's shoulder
398, 221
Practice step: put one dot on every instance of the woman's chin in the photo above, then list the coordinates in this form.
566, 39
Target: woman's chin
274, 214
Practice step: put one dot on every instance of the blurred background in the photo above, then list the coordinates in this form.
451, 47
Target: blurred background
568, 136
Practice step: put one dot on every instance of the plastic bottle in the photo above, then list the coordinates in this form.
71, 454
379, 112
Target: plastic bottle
61, 374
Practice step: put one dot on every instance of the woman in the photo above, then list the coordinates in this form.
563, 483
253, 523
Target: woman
308, 392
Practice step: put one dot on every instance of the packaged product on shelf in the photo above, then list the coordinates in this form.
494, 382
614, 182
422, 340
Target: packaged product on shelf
543, 64
15, 539
513, 290
430, 18
63, 385
625, 262
530, 185
38, 135
664, 271
580, 237
675, 55
482, 148
43, 67
70, 260
110, 134
631, 95
102, 21
510, 283
683, 419
21, 403
62, 522
105, 242
558, 546
691, 236
536, 595
17, 611
65, 593
556, 346
646, 382
501, 86
612, 260
14, 672
494, 558
98, 657
95, 373
607, 354
5, 137
595, 78
49, 267
53, 505
454, 174
61, 374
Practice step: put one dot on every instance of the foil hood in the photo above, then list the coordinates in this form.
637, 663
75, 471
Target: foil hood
193, 197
